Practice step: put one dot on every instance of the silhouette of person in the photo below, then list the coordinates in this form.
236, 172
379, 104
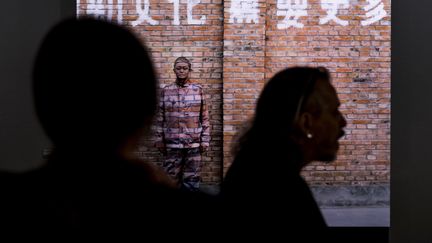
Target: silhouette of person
184, 127
296, 121
95, 93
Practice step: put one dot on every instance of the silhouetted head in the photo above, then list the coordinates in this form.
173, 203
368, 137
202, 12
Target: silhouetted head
94, 84
299, 107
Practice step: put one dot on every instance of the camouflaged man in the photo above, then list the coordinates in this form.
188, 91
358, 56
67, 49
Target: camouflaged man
183, 127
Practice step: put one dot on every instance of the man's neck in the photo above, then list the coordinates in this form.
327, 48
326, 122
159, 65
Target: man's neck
182, 82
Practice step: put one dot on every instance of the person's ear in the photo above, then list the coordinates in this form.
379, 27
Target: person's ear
305, 124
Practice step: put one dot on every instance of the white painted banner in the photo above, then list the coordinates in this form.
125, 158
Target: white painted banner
292, 10
241, 11
374, 12
98, 9
190, 5
244, 11
332, 7
143, 13
176, 11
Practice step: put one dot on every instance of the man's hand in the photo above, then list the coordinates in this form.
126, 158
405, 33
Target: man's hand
203, 149
156, 174
162, 148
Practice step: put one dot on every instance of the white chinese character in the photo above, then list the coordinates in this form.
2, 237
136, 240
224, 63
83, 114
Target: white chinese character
176, 11
374, 11
110, 9
78, 7
97, 8
292, 10
119, 11
144, 13
244, 11
332, 7
190, 5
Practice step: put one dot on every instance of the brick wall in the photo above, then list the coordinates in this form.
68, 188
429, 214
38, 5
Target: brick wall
168, 39
240, 44
244, 69
358, 57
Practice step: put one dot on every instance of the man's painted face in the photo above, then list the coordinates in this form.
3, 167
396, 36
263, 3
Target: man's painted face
182, 70
329, 124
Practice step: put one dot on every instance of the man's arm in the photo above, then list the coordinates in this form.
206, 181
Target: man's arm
205, 124
160, 121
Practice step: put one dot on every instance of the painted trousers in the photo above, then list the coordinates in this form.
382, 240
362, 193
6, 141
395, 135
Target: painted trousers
184, 165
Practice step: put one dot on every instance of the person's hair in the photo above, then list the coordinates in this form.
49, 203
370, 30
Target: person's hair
283, 99
93, 83
183, 59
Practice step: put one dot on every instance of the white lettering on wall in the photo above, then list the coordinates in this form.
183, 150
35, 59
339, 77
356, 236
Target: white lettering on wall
292, 10
190, 5
120, 11
143, 13
176, 11
374, 12
95, 7
241, 11
332, 7
110, 9
99, 10
244, 11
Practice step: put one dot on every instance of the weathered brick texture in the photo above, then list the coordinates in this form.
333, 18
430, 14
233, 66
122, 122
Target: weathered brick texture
244, 69
202, 44
234, 52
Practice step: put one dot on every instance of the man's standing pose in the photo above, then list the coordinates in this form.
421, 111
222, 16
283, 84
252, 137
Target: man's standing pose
184, 127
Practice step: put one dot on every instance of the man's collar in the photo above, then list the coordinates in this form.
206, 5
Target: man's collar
186, 84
